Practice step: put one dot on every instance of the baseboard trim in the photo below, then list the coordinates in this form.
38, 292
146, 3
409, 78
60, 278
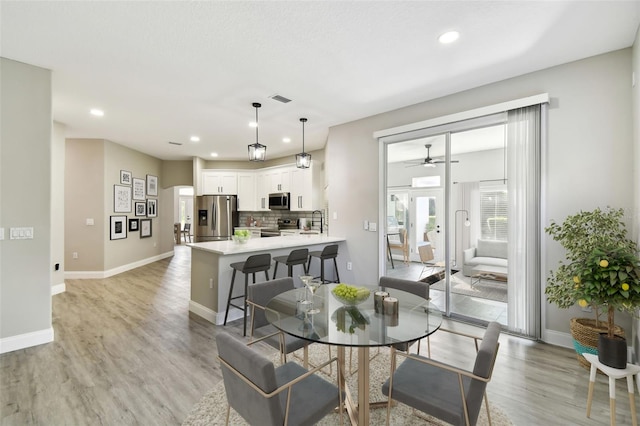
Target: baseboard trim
83, 275
26, 340
212, 316
58, 288
558, 338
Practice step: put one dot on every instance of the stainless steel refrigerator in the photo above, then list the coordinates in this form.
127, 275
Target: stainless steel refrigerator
216, 216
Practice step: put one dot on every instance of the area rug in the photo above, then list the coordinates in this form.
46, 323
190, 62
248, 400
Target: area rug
485, 289
211, 409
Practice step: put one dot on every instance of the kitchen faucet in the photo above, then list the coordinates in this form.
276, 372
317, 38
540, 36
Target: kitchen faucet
313, 222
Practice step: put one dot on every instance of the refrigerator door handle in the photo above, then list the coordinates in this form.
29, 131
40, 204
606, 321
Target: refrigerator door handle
214, 219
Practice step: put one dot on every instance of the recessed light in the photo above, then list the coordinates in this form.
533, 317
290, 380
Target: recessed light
286, 140
97, 112
214, 154
195, 139
449, 37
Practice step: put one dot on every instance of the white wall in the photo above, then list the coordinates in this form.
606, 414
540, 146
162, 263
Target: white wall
589, 158
25, 173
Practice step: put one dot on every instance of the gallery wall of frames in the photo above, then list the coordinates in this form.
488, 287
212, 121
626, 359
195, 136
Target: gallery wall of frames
135, 197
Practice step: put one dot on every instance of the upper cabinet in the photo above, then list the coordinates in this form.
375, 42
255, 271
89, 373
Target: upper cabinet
306, 189
254, 186
219, 182
279, 179
247, 200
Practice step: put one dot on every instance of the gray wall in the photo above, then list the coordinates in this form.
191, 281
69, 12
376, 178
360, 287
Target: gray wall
25, 194
589, 156
57, 205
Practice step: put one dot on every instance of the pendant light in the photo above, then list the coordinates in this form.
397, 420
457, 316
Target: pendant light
257, 151
303, 160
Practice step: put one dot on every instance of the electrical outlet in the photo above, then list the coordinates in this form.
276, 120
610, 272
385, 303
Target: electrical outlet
75, 254
210, 282
349, 266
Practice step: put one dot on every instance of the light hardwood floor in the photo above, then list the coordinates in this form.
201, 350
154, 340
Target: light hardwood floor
127, 352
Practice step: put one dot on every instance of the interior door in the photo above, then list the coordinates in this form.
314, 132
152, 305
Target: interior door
426, 216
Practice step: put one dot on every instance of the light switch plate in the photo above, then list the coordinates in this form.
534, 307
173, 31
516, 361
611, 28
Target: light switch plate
373, 227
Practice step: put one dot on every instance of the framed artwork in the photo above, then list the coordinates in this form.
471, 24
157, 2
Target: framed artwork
138, 189
134, 224
152, 185
145, 228
118, 227
121, 199
141, 208
125, 177
152, 207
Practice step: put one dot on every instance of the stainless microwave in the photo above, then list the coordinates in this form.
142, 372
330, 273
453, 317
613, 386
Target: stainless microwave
279, 201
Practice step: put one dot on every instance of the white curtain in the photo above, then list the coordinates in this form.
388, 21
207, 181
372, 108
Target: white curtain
524, 132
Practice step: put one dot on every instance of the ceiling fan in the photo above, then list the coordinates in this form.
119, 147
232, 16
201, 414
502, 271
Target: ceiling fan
427, 162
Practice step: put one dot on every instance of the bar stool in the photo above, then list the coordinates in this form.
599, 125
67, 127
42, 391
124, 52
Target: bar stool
296, 257
253, 264
329, 252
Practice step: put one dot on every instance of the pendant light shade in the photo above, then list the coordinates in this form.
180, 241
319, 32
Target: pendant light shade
303, 160
257, 151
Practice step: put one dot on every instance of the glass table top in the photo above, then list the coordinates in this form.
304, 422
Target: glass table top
354, 326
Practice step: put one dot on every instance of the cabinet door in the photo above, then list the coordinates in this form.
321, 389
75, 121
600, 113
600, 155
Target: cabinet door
301, 189
246, 192
210, 183
262, 191
229, 183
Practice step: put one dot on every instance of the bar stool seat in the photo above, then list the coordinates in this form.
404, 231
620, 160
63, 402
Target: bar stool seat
296, 257
327, 253
253, 264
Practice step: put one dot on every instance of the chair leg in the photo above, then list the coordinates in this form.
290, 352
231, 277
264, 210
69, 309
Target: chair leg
275, 270
290, 270
335, 264
226, 314
322, 270
244, 303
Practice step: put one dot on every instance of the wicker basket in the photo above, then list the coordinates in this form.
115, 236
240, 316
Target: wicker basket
585, 337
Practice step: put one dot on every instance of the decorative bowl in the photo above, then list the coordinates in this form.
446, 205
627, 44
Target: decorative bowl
355, 295
241, 239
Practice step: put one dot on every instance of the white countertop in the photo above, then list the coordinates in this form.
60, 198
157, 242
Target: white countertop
262, 244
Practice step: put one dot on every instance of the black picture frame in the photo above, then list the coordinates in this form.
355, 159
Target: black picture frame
152, 207
118, 227
141, 208
125, 177
152, 185
134, 225
145, 228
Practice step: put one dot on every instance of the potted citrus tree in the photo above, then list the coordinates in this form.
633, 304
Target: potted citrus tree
580, 234
610, 277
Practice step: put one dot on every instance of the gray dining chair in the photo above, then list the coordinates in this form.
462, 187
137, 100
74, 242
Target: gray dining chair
265, 395
441, 390
260, 328
417, 288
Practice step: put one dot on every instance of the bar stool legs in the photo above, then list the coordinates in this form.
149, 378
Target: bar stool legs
253, 264
329, 252
296, 257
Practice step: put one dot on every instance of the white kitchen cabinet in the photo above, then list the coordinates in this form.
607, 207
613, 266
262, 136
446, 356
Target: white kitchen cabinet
217, 182
247, 200
279, 179
262, 191
306, 189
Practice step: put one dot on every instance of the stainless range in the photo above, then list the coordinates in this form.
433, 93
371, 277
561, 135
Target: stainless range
282, 225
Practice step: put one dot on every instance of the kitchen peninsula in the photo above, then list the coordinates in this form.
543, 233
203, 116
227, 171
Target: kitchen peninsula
211, 271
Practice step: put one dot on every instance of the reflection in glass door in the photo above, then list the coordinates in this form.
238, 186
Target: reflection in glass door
426, 223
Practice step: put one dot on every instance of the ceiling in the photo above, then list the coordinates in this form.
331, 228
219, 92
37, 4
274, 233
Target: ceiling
164, 71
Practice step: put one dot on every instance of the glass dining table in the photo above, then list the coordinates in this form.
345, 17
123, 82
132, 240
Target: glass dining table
360, 327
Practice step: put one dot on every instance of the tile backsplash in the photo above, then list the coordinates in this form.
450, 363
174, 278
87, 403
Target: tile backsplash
270, 219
